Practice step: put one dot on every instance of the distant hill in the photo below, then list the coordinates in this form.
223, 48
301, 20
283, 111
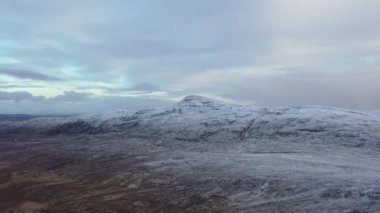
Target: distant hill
24, 117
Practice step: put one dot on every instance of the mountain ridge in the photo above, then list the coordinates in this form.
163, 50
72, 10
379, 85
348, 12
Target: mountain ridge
197, 118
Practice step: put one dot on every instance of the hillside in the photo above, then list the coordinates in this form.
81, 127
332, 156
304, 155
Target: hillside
196, 118
199, 155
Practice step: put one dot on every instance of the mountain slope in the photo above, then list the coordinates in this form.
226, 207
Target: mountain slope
196, 156
196, 118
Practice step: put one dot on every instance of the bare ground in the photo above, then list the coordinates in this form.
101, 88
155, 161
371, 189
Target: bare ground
114, 173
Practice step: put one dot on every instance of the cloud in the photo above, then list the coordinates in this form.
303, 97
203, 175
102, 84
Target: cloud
67, 96
289, 86
71, 96
26, 74
12, 86
144, 87
71, 102
220, 48
19, 96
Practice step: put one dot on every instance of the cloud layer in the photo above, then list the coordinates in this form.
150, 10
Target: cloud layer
26, 74
275, 52
71, 102
19, 96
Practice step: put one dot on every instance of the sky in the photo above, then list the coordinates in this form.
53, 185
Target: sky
77, 56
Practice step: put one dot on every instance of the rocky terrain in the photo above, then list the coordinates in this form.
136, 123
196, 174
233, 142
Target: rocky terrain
196, 156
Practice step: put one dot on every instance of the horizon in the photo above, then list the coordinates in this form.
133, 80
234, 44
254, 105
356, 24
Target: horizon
90, 57
135, 108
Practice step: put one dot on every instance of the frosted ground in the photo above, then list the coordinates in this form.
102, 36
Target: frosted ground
196, 156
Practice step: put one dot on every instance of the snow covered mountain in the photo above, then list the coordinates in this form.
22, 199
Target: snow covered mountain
201, 154
196, 118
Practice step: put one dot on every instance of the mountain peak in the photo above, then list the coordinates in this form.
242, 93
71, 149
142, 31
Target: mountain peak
199, 98
197, 101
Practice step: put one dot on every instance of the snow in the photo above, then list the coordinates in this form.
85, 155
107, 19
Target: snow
197, 118
261, 158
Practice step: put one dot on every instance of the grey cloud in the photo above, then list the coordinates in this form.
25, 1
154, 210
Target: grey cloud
12, 86
26, 74
109, 103
144, 87
142, 41
348, 88
71, 96
192, 36
93, 104
19, 96
139, 88
67, 96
